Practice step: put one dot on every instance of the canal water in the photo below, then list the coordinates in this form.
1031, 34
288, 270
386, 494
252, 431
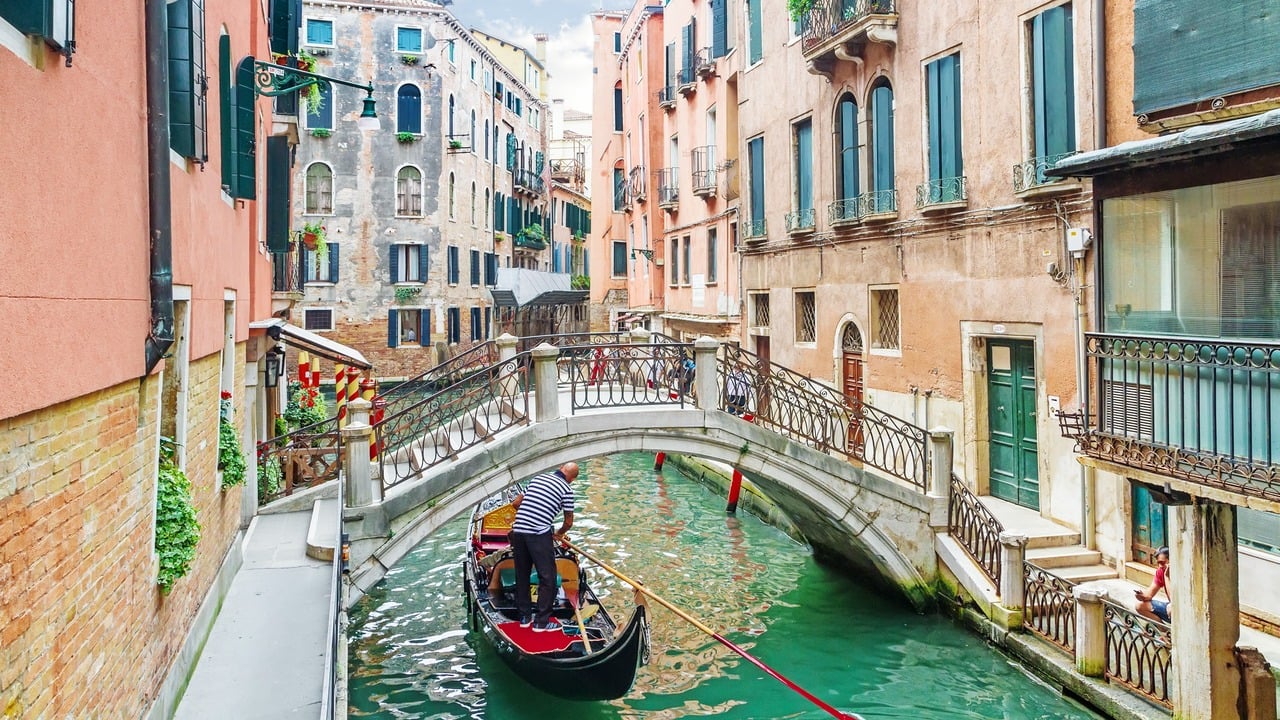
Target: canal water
855, 648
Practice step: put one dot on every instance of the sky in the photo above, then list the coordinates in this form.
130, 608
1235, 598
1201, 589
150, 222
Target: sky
567, 24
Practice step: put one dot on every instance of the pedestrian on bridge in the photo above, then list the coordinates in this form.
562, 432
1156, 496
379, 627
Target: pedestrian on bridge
546, 496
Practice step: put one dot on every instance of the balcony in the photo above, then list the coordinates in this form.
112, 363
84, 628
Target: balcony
1206, 411
704, 63
528, 182
457, 144
687, 81
704, 171
1030, 180
754, 230
840, 30
667, 98
531, 238
286, 273
622, 198
843, 213
669, 188
568, 171
636, 183
878, 205
942, 194
803, 221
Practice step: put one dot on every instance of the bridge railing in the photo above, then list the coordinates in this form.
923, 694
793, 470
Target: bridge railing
302, 458
975, 527
1049, 606
617, 375
428, 383
456, 417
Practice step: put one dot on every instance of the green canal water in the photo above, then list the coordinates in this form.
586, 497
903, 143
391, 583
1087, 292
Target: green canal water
855, 648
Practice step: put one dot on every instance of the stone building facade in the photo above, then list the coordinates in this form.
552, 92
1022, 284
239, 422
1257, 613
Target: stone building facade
421, 214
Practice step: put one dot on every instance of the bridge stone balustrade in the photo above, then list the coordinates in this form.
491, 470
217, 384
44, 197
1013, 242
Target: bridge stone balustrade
877, 525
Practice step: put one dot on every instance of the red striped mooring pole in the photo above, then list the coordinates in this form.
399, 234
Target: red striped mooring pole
735, 489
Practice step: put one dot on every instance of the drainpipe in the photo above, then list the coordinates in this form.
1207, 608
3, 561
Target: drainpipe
1088, 489
1099, 74
160, 337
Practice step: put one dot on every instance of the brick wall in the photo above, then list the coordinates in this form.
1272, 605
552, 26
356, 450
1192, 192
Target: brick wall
84, 630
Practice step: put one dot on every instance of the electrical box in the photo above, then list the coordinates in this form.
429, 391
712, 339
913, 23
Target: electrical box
1078, 240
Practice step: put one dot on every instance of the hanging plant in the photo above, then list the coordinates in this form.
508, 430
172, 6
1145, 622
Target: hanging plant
177, 529
230, 454
409, 59
406, 137
321, 132
405, 294
314, 237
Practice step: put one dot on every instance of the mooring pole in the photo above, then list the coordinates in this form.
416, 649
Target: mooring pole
735, 489
657, 461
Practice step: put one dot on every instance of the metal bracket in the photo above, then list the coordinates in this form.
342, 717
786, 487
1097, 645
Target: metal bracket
273, 80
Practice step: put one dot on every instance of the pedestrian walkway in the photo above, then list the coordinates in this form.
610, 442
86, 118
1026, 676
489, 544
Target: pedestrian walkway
265, 655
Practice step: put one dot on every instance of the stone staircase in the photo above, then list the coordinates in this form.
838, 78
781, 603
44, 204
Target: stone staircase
1049, 545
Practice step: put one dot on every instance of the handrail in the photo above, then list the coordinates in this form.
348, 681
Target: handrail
1049, 606
412, 390
976, 528
1139, 653
329, 702
304, 457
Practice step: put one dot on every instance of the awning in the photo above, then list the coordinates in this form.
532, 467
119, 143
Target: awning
518, 287
296, 337
1193, 142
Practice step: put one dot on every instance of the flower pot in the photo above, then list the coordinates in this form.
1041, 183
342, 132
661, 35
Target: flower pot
310, 240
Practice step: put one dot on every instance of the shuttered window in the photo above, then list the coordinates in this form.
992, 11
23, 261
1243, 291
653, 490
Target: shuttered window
279, 162
755, 162
617, 109
322, 118
319, 189
803, 164
286, 16
1053, 84
477, 329
619, 258
881, 134
226, 135
51, 20
670, 65
453, 264
619, 190
408, 263
1128, 409
319, 32
943, 79
756, 49
846, 148
408, 192
408, 40
188, 113
244, 133
475, 268
719, 28
318, 268
455, 325
409, 110
490, 270
499, 213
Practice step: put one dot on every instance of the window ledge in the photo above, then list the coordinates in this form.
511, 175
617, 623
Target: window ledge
880, 217
1060, 187
758, 331
319, 283
936, 208
409, 283
807, 345
885, 352
846, 222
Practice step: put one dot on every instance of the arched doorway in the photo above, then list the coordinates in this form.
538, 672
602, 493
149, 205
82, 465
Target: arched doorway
852, 383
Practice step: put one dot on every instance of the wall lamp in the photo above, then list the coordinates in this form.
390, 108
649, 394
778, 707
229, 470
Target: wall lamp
648, 254
273, 366
273, 80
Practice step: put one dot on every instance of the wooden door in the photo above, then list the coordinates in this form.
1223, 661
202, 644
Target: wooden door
1150, 526
852, 382
1013, 452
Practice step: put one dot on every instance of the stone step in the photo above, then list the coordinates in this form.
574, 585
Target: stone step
1139, 574
322, 533
1086, 573
1038, 539
1063, 556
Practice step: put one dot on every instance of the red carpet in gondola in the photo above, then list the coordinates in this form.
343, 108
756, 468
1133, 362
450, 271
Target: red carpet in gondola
536, 642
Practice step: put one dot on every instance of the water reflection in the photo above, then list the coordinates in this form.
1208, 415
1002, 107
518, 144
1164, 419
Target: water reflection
412, 658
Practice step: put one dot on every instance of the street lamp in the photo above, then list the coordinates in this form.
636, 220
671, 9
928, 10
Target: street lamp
273, 80
368, 119
274, 366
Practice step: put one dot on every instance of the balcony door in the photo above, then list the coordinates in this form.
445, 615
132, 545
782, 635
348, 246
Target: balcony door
1011, 420
1150, 526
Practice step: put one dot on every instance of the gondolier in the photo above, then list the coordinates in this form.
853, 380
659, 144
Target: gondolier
546, 496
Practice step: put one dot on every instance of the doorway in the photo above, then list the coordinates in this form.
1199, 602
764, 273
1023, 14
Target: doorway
1150, 525
852, 383
1011, 421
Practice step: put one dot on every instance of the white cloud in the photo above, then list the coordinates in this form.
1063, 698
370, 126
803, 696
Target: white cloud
570, 54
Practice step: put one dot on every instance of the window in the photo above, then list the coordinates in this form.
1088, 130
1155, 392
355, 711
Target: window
319, 189
619, 258
687, 261
320, 32
475, 268
473, 131
318, 268
52, 20
846, 147
945, 160
759, 309
713, 261
455, 325
409, 109
486, 208
477, 328
755, 186
488, 321
885, 329
619, 190
453, 264
719, 28
617, 108
499, 212
408, 263
453, 202
322, 117
175, 380
408, 327
675, 261
1053, 111
755, 46
473, 204
188, 109
451, 53
452, 110
802, 166
474, 77
409, 192
490, 273
806, 317
317, 319
881, 150
408, 40
617, 42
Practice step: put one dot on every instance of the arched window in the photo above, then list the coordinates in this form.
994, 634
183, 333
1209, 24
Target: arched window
409, 109
409, 191
495, 143
473, 203
453, 207
319, 189
880, 150
486, 208
486, 141
473, 131
851, 339
451, 110
846, 147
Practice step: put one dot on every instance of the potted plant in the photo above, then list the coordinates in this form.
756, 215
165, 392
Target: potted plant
231, 462
406, 137
405, 294
314, 238
409, 59
455, 144
321, 132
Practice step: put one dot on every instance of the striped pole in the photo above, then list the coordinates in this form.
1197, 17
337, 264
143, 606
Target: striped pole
353, 382
735, 489
368, 390
659, 460
340, 392
304, 368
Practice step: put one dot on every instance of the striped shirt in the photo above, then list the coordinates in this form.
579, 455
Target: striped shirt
546, 496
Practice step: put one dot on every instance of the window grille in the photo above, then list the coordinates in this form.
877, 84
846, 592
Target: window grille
851, 339
318, 319
760, 310
806, 318
887, 333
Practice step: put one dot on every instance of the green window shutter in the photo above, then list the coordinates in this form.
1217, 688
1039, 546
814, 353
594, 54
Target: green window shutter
279, 163
1052, 83
882, 163
244, 135
285, 18
944, 118
393, 262
424, 264
188, 115
511, 151
670, 64
333, 249
424, 327
490, 269
719, 28
225, 134
617, 109
499, 213
755, 157
754, 31
538, 162
686, 53
804, 165
847, 147
393, 327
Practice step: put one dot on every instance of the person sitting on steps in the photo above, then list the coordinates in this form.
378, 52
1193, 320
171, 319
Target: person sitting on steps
1148, 605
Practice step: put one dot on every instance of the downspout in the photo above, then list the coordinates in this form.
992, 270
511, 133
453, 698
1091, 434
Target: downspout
160, 337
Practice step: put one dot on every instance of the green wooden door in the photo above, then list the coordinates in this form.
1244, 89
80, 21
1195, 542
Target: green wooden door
1149, 526
1011, 418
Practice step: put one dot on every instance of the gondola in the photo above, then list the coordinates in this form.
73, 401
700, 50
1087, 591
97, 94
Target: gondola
559, 663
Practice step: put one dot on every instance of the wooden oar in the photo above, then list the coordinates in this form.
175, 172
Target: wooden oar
582, 625
717, 636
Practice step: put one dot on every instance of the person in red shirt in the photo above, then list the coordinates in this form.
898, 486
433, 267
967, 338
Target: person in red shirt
1148, 605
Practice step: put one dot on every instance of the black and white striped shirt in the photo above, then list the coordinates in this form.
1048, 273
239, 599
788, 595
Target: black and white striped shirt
544, 498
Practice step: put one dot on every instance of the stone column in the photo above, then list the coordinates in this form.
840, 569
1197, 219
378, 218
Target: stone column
1091, 631
357, 470
510, 381
639, 336
546, 382
1204, 584
941, 440
1013, 549
704, 378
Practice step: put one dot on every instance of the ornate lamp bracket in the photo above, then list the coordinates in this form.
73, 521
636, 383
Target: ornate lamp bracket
273, 80
648, 254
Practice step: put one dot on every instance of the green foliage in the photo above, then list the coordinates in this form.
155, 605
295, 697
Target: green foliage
321, 233
177, 530
409, 59
455, 144
580, 282
270, 478
405, 294
299, 413
230, 454
321, 132
799, 8
282, 426
406, 137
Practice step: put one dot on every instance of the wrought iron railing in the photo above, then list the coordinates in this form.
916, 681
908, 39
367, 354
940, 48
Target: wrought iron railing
705, 62
529, 180
300, 459
687, 79
621, 375
941, 191
877, 202
286, 272
971, 524
569, 340
842, 212
828, 19
1049, 606
801, 220
457, 417
754, 229
1139, 653
667, 96
704, 169
669, 186
1203, 410
636, 183
428, 383
802, 409
1031, 174
622, 198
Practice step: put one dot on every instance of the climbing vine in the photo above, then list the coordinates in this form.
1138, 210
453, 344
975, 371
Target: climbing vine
230, 454
177, 529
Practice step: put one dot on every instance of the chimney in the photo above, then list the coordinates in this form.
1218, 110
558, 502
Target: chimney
540, 48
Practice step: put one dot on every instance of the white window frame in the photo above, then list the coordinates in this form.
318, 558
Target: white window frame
422, 46
333, 318
332, 32
400, 341
314, 258
873, 322
305, 187
421, 192
403, 262
179, 362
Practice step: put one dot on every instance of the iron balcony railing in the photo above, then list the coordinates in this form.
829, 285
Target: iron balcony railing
973, 525
1199, 409
687, 79
622, 198
835, 21
667, 97
1031, 174
878, 202
704, 169
942, 191
803, 220
754, 229
636, 183
843, 212
705, 62
286, 272
529, 180
668, 187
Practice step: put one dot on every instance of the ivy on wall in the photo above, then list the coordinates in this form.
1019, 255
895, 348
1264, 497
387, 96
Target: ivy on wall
230, 455
177, 530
